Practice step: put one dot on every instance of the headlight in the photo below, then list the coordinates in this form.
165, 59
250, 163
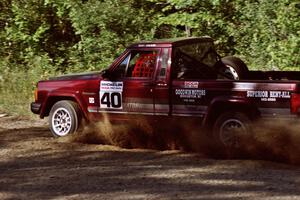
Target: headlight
36, 94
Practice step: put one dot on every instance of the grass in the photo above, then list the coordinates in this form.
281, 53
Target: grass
16, 93
18, 82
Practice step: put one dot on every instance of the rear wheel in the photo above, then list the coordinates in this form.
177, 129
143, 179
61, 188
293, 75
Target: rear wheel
231, 129
64, 118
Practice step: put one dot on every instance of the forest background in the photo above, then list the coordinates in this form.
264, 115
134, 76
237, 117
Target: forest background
42, 38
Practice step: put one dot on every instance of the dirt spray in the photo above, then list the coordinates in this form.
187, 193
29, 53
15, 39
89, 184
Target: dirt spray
276, 140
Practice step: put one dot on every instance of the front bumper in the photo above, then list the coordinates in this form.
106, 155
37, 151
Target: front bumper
36, 107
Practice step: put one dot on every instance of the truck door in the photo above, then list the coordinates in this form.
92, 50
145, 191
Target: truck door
162, 84
192, 73
130, 90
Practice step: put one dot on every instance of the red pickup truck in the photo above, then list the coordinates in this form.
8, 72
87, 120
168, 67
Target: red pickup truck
180, 79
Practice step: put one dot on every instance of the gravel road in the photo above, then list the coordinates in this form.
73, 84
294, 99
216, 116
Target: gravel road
34, 165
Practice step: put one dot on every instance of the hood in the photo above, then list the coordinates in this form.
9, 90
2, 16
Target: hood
77, 76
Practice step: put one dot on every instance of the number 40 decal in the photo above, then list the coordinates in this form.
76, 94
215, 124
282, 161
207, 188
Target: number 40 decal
111, 100
111, 94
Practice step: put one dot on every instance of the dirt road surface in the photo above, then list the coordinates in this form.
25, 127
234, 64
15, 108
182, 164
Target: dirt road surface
34, 165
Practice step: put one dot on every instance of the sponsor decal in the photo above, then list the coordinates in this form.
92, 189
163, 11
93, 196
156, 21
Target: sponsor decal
269, 95
109, 86
138, 107
191, 84
91, 100
190, 94
147, 45
111, 94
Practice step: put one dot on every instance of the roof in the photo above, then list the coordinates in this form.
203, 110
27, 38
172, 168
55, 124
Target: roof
171, 42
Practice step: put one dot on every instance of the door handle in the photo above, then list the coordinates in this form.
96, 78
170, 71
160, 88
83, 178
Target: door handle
161, 84
157, 84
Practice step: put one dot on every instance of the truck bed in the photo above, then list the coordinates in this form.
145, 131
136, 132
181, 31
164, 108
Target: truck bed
273, 75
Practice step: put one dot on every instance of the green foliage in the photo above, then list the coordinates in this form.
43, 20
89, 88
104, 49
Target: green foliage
105, 29
45, 37
264, 33
212, 18
17, 86
270, 34
79, 35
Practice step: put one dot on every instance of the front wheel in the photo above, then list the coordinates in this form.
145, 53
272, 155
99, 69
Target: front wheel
64, 118
232, 129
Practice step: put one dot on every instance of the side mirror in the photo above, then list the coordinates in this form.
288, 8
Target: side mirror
111, 75
106, 74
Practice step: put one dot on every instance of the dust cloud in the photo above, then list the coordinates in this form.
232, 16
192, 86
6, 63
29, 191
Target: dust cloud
139, 133
271, 140
277, 140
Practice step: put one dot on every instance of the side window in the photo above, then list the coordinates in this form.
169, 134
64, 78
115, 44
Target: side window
202, 52
194, 61
142, 64
138, 64
164, 63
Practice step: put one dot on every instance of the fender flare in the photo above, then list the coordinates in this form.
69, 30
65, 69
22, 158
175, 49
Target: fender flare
47, 104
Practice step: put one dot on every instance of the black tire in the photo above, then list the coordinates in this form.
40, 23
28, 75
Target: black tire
234, 67
64, 118
232, 129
